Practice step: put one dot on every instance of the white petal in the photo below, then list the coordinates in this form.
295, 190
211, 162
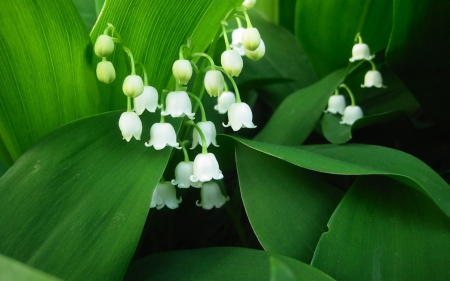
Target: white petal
336, 103
232, 62
351, 114
147, 100
130, 125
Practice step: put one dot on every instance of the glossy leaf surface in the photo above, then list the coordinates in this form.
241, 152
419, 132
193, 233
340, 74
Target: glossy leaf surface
384, 230
13, 270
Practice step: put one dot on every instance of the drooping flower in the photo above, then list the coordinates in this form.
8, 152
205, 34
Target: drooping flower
351, 114
209, 130
133, 86
224, 102
104, 46
162, 134
249, 4
373, 79
147, 100
183, 172
214, 83
258, 53
178, 104
182, 71
240, 116
236, 41
251, 38
211, 196
232, 62
206, 168
130, 125
165, 195
105, 72
361, 51
336, 103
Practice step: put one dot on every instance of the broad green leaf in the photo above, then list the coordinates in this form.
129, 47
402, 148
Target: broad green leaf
13, 270
154, 30
222, 263
287, 14
326, 29
417, 53
287, 206
359, 159
299, 112
279, 271
47, 79
270, 9
284, 58
87, 11
74, 205
384, 230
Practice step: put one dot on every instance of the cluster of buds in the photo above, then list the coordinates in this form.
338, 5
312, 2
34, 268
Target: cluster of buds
204, 171
336, 103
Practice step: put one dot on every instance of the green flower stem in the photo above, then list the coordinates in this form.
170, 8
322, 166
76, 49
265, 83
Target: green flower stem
358, 38
182, 47
162, 119
145, 72
225, 37
211, 61
195, 67
128, 51
239, 23
185, 153
128, 104
114, 33
204, 148
247, 18
199, 102
225, 85
349, 93
373, 65
336, 92
236, 90
163, 101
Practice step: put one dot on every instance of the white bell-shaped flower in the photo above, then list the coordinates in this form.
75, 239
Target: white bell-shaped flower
240, 116
224, 102
236, 41
249, 4
183, 172
165, 195
182, 71
211, 196
351, 114
104, 46
336, 103
178, 104
130, 125
258, 53
251, 38
214, 83
147, 100
373, 79
162, 134
209, 130
133, 86
232, 62
206, 168
106, 72
361, 51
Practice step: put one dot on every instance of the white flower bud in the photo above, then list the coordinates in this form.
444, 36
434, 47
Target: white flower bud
183, 171
133, 86
373, 79
211, 196
351, 114
106, 72
232, 62
162, 134
236, 41
258, 53
147, 100
209, 130
224, 102
251, 38
178, 104
249, 4
361, 52
240, 116
206, 168
336, 103
130, 125
104, 46
214, 83
182, 71
165, 195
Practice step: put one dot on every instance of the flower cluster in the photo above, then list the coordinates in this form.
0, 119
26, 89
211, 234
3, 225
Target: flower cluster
203, 172
336, 103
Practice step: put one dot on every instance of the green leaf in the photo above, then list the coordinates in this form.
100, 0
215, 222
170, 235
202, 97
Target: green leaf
299, 113
329, 44
284, 203
216, 264
279, 271
384, 230
87, 11
75, 204
46, 78
154, 31
284, 58
417, 53
13, 270
359, 159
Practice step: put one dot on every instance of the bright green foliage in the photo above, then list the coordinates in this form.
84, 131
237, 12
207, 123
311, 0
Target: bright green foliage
279, 271
384, 230
13, 270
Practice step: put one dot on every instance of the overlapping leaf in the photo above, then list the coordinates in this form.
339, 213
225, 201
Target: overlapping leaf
14, 270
